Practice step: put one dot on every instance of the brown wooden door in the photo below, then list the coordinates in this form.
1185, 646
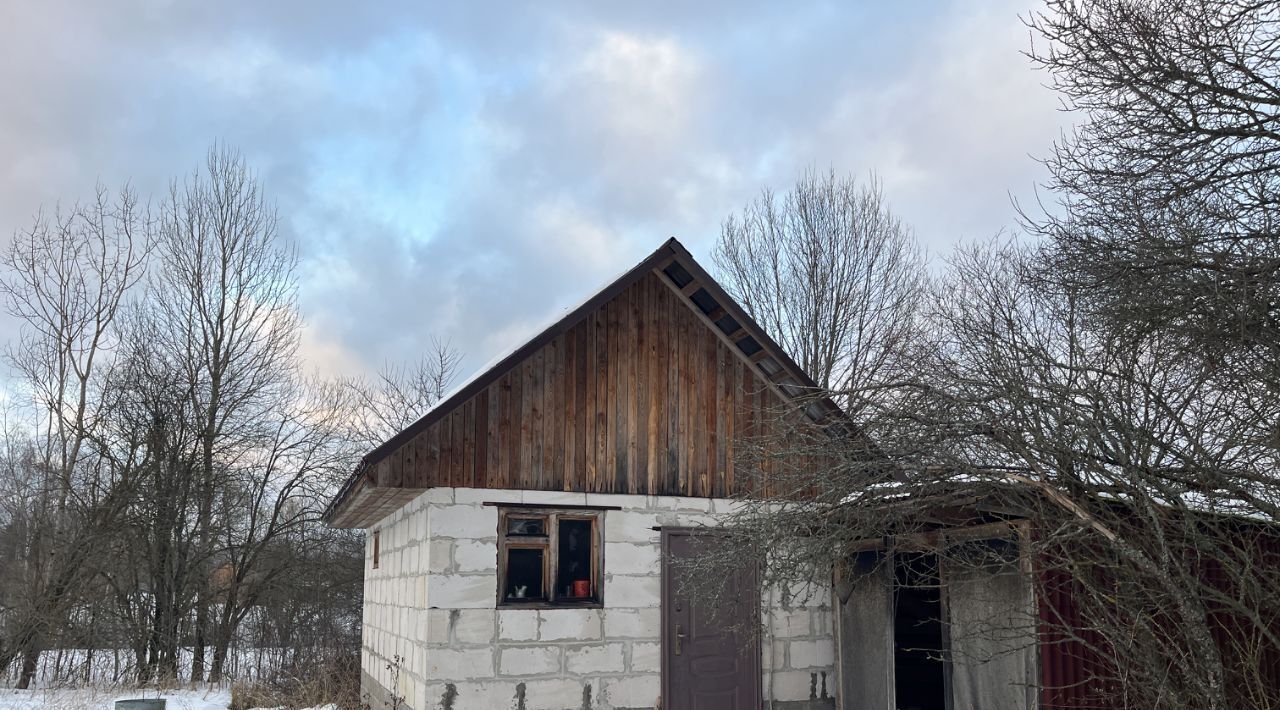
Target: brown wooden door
710, 628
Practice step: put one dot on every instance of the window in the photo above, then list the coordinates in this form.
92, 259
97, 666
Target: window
549, 557
376, 540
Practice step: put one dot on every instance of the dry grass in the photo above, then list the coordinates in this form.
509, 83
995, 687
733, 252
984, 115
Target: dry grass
335, 681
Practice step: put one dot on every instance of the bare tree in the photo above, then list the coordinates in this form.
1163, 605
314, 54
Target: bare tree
399, 395
67, 280
172, 493
832, 273
1115, 385
1166, 193
224, 307
275, 493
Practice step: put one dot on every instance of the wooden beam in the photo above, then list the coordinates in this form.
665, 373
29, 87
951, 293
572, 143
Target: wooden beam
941, 537
737, 352
690, 288
551, 507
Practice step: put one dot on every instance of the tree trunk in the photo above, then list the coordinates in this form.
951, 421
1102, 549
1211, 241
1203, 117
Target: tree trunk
197, 651
30, 663
219, 660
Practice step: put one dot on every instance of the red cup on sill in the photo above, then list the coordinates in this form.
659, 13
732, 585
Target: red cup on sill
581, 587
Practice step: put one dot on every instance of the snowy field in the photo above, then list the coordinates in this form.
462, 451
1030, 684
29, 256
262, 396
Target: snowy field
110, 673
105, 698
106, 667
94, 698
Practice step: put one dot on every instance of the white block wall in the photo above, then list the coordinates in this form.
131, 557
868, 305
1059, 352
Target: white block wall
432, 602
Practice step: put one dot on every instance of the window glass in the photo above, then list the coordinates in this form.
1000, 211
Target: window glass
573, 563
530, 527
524, 575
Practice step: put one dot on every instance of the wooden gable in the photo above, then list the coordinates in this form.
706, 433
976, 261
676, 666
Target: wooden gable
643, 390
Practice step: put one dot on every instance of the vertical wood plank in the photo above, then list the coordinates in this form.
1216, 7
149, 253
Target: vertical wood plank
724, 415
554, 424
697, 433
673, 404
455, 449
654, 426
603, 467
569, 410
611, 398
480, 440
526, 425
638, 400
580, 407
507, 466
429, 458
469, 443
537, 395
590, 441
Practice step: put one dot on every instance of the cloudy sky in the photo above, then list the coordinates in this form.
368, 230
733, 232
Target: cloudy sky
466, 170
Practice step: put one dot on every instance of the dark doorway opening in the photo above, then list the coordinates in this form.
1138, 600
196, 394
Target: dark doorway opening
919, 672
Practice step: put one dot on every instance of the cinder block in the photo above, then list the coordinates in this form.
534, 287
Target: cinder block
789, 623
529, 660
774, 655
472, 694
456, 591
637, 691
632, 623
594, 658
554, 498
473, 626
630, 558
463, 521
625, 501
435, 495
517, 624
556, 694
632, 591
569, 624
646, 657
458, 664
696, 505
812, 654
628, 526
822, 622
475, 556
487, 495
437, 626
798, 685
727, 506
439, 555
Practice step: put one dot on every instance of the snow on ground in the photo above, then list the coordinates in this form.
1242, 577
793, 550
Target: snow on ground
94, 698
105, 698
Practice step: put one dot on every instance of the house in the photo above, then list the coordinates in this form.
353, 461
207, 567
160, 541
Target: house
521, 535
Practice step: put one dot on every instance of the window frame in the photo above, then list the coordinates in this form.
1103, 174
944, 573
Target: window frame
377, 547
550, 546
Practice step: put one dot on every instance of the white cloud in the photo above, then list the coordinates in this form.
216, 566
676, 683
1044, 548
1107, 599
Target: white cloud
462, 173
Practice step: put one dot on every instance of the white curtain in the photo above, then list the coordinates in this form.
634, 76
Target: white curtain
864, 614
991, 610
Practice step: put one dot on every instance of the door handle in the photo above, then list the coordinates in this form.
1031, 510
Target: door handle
679, 639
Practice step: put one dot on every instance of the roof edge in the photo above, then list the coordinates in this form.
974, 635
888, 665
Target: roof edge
670, 248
